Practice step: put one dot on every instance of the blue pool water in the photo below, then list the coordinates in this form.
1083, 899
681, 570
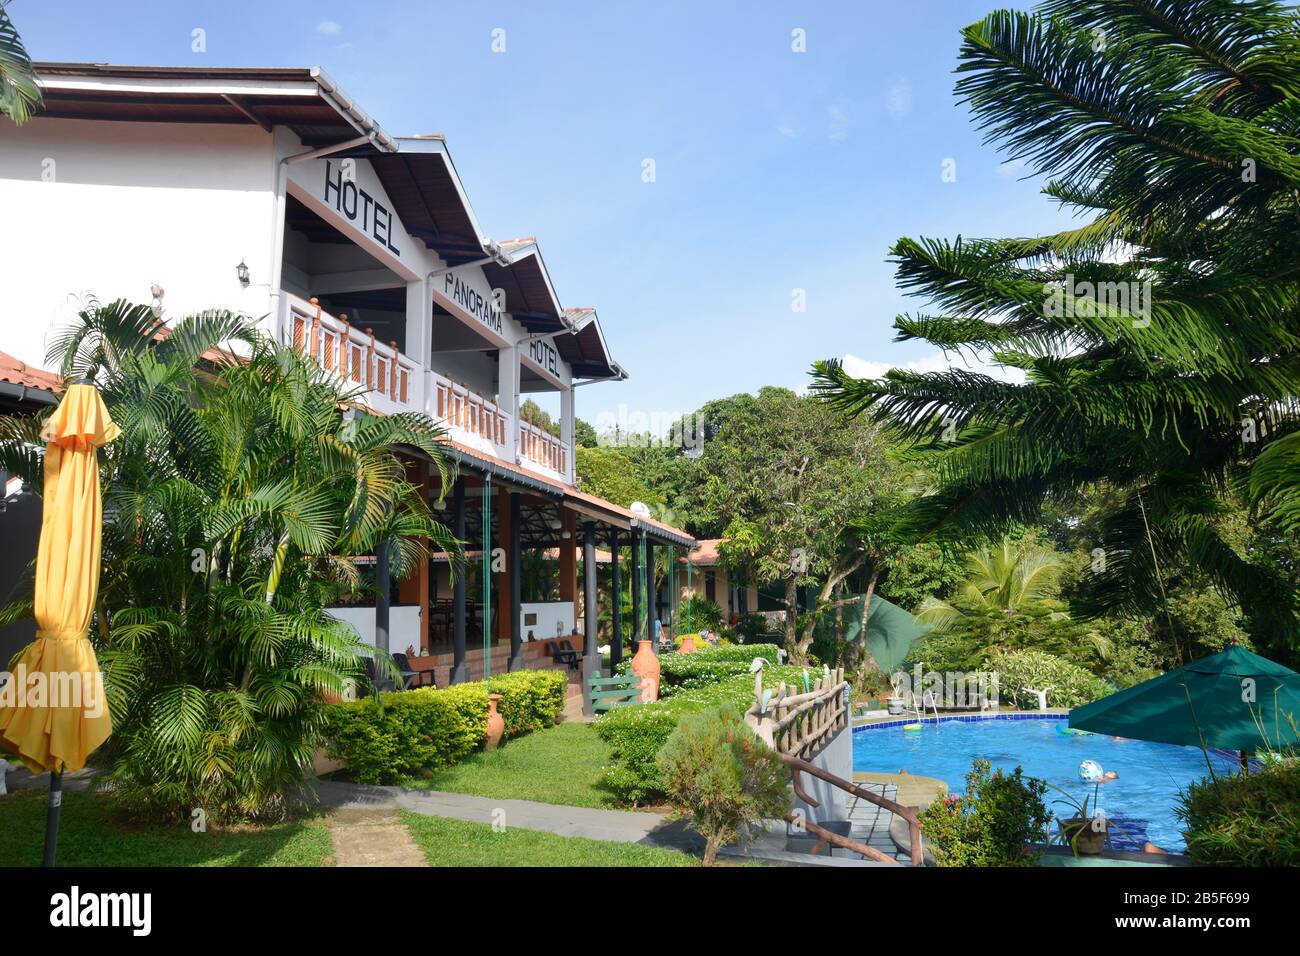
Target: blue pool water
1141, 802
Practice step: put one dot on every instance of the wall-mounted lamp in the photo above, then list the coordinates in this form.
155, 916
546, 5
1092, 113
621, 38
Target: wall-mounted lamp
241, 271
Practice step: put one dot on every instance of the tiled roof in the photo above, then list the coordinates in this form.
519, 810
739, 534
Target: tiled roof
559, 487
706, 554
16, 372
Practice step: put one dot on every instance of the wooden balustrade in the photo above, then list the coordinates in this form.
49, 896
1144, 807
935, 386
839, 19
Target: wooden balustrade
462, 408
538, 445
797, 726
801, 724
355, 356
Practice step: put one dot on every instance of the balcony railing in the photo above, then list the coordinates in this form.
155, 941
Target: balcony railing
354, 355
540, 446
392, 381
464, 409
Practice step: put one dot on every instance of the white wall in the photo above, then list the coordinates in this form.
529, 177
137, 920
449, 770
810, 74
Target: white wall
549, 615
109, 208
403, 624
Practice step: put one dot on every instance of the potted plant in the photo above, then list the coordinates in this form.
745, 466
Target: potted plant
1083, 832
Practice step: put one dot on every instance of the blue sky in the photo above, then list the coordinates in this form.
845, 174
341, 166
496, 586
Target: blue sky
774, 170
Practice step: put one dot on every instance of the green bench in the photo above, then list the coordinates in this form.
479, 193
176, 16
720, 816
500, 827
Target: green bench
607, 693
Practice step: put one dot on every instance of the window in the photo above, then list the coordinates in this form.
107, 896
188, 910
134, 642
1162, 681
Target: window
711, 586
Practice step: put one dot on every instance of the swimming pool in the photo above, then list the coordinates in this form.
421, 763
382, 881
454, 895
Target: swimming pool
1141, 801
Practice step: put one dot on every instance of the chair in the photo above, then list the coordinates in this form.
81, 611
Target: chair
377, 684
413, 678
563, 653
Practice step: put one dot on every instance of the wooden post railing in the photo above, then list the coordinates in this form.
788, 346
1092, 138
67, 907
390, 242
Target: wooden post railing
334, 345
797, 727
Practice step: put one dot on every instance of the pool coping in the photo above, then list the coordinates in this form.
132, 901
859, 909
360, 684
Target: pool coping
883, 723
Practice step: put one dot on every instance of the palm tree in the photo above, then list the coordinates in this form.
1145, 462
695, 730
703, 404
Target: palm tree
1159, 340
235, 499
1007, 589
20, 95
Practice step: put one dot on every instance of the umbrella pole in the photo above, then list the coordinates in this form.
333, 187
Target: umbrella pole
52, 817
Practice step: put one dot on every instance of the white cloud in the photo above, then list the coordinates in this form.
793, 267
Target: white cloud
839, 123
934, 362
329, 28
787, 131
899, 100
1011, 169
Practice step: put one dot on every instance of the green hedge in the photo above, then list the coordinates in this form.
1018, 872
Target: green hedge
636, 734
708, 666
430, 729
1245, 820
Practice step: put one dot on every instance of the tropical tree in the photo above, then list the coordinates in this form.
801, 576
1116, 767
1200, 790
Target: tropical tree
234, 500
1009, 588
1159, 340
20, 95
786, 482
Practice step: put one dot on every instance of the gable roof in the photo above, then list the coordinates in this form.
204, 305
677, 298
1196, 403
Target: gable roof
417, 172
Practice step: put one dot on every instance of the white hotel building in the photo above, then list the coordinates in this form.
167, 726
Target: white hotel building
270, 192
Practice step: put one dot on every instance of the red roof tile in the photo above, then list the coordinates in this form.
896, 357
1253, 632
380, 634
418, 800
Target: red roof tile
16, 372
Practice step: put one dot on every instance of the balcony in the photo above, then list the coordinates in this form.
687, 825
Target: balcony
355, 356
392, 381
539, 447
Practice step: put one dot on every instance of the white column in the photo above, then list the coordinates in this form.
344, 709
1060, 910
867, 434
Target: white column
508, 396
419, 333
567, 427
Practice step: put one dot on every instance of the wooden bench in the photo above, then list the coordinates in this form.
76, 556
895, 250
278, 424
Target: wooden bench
607, 693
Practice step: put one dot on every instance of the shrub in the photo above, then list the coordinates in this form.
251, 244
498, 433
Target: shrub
992, 823
752, 629
1071, 685
431, 729
637, 734
679, 672
701, 612
1245, 820
530, 699
721, 777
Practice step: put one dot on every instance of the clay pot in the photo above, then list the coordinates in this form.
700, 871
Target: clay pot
1086, 840
688, 645
496, 725
645, 665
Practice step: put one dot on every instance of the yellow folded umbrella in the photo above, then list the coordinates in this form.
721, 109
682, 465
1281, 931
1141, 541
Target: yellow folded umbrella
55, 714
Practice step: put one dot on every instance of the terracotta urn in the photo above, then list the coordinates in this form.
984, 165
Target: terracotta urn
496, 725
645, 665
688, 644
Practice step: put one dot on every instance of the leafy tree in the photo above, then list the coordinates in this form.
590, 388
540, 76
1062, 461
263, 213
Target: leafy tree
609, 473
789, 481
233, 502
20, 96
534, 414
1172, 125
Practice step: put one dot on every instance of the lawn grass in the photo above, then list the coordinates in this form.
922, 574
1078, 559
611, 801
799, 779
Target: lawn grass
90, 836
460, 843
559, 765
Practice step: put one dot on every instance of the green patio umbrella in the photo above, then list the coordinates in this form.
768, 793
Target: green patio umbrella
1241, 701
891, 631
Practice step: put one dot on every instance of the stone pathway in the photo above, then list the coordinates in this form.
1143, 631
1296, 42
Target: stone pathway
869, 823
619, 826
372, 837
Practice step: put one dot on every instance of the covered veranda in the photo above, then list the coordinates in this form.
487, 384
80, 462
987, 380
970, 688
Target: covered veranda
558, 562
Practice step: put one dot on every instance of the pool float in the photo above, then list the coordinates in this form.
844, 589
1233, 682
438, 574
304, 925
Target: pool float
911, 726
